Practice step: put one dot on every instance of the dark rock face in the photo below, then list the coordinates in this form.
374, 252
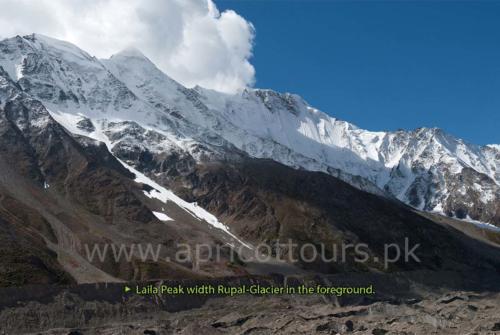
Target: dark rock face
466, 203
25, 258
86, 125
267, 202
275, 101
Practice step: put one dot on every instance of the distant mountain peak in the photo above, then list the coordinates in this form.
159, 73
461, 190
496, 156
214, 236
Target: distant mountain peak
130, 52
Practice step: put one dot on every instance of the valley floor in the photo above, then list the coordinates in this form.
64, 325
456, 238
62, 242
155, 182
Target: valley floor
453, 313
403, 305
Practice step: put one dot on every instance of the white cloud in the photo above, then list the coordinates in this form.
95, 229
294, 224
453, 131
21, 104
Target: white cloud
190, 40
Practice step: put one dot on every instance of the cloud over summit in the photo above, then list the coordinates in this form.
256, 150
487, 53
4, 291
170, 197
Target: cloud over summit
190, 40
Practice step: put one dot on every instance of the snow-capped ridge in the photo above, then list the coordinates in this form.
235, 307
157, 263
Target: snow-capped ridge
63, 48
494, 146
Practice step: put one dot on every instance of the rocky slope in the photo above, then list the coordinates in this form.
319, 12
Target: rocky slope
61, 193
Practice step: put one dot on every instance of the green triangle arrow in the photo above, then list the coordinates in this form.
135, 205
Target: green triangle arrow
127, 289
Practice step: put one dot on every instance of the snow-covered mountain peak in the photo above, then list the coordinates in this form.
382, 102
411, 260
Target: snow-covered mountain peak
137, 70
130, 52
64, 77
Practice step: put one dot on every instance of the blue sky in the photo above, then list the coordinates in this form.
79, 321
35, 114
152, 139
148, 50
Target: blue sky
384, 65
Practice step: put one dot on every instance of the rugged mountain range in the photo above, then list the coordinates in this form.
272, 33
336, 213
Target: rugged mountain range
127, 102
99, 151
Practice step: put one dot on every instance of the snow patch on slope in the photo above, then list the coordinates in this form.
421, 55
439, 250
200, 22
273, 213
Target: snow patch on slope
19, 69
483, 225
158, 192
162, 216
